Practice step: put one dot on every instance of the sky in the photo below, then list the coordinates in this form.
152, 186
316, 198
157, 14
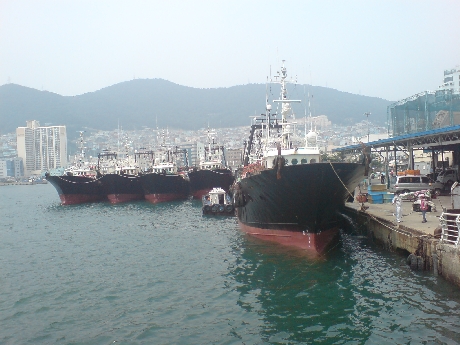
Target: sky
391, 49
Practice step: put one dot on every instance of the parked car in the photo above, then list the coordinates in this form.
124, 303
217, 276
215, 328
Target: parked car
447, 177
413, 183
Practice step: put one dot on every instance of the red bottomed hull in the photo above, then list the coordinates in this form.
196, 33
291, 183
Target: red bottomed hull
73, 199
314, 243
198, 194
157, 198
119, 198
202, 181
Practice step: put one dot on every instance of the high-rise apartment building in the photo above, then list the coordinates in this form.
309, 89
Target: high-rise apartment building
193, 152
41, 148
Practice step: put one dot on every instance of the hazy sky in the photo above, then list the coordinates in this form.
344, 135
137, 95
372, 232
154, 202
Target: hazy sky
385, 48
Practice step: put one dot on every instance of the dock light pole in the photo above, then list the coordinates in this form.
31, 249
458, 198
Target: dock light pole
367, 115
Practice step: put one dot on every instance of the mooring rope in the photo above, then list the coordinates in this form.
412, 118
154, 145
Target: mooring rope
364, 208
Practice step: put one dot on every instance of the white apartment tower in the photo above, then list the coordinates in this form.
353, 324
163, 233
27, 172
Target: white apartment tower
41, 148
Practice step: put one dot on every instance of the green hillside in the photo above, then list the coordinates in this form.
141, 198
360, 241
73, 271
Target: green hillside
150, 102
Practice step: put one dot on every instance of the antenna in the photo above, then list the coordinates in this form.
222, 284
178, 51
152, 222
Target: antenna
305, 95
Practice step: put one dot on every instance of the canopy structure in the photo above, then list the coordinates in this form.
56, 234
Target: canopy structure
435, 140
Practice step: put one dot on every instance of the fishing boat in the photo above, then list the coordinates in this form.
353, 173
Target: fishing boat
212, 171
285, 193
217, 202
78, 186
122, 185
120, 177
164, 181
80, 182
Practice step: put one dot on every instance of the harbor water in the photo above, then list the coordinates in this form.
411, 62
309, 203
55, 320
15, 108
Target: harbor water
139, 273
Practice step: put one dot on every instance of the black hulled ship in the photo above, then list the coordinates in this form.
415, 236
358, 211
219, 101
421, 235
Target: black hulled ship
122, 186
78, 186
120, 178
212, 171
80, 183
285, 193
164, 181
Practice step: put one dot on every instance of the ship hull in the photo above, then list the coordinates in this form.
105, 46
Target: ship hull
122, 188
301, 207
78, 189
161, 187
202, 181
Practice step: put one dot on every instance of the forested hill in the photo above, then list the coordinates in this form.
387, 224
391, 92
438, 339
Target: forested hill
155, 102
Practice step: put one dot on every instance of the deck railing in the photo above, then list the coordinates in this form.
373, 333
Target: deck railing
450, 223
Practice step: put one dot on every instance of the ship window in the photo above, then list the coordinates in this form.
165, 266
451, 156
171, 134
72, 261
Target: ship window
312, 160
303, 161
294, 161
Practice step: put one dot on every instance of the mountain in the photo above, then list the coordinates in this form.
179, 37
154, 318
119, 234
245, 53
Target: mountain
157, 102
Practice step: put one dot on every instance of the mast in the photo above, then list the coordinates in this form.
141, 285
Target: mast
285, 104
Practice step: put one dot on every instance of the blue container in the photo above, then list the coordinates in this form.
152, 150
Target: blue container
376, 193
388, 197
377, 199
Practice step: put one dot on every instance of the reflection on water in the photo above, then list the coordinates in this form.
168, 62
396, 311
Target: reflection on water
359, 293
140, 273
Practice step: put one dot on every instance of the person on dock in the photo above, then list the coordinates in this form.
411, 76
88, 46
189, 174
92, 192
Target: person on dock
397, 201
382, 178
423, 207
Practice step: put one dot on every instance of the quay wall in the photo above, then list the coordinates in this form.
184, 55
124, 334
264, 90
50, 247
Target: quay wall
424, 252
449, 262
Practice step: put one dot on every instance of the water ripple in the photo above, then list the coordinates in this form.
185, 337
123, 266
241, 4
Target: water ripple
140, 273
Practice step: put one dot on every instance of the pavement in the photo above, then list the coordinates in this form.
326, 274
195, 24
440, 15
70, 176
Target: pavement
410, 218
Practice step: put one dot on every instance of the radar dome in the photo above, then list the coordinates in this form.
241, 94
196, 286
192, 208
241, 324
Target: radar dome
311, 139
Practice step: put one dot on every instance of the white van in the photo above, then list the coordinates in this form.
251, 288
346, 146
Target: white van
413, 183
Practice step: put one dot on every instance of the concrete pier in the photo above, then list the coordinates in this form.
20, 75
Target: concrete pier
419, 241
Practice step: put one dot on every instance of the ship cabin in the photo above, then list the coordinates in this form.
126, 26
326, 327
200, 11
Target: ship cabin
165, 168
211, 165
128, 170
83, 172
294, 156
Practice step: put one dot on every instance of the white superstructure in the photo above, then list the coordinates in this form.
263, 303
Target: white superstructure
281, 137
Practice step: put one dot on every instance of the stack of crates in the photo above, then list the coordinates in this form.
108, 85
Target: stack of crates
375, 193
388, 197
408, 172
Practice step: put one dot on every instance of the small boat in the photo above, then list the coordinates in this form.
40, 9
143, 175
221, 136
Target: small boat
218, 203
